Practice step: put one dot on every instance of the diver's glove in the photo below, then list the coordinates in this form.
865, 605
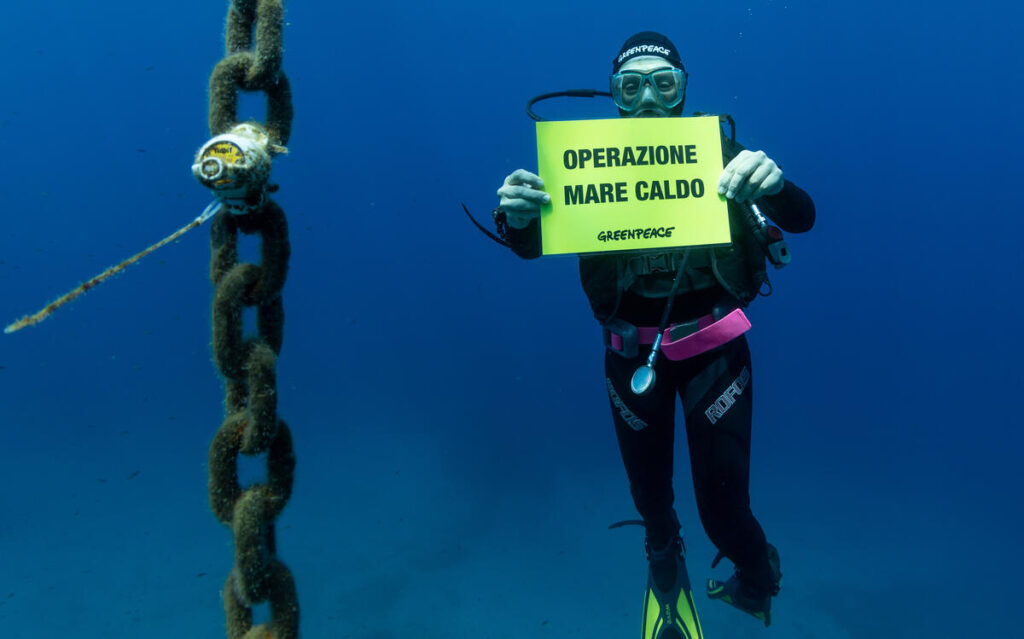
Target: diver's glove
750, 175
521, 196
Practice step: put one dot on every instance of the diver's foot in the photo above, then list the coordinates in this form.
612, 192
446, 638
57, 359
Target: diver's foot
732, 593
669, 612
739, 595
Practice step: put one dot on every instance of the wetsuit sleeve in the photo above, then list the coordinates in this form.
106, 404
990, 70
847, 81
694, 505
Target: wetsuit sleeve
791, 208
524, 242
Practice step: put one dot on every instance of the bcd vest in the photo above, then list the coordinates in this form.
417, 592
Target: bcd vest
738, 269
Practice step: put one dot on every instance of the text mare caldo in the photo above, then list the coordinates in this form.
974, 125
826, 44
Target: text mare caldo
603, 192
613, 157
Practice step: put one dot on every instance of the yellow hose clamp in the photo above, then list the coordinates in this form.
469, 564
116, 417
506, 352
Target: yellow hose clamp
236, 167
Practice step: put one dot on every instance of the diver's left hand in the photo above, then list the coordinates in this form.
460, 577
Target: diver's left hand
750, 175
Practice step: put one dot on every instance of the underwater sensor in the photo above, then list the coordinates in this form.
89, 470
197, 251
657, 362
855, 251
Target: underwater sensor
236, 167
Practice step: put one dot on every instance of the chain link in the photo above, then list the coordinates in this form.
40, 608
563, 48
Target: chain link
252, 68
249, 363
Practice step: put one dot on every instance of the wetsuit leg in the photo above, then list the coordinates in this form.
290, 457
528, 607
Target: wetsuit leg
718, 406
645, 428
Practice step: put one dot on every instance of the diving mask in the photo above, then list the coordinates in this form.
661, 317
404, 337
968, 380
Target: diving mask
668, 87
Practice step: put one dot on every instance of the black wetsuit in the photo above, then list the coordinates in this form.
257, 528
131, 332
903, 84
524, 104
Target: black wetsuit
716, 391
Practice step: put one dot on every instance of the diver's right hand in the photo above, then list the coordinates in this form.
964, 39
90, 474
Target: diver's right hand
521, 196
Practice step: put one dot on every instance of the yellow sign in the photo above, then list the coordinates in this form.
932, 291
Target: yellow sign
631, 183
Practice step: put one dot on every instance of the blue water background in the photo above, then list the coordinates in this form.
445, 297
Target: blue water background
457, 467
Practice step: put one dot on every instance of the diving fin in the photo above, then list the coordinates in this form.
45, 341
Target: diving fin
669, 610
733, 593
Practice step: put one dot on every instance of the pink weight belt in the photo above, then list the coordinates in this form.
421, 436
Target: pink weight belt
689, 339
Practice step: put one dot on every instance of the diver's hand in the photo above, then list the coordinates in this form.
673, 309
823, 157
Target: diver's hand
750, 175
521, 196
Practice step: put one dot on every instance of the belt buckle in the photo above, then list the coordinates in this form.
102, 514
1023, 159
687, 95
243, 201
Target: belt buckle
627, 332
677, 332
659, 263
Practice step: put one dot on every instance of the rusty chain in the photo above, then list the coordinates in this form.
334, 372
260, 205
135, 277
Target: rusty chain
248, 364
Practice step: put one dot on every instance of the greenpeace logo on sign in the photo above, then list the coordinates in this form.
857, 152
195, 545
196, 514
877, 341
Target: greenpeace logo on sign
645, 48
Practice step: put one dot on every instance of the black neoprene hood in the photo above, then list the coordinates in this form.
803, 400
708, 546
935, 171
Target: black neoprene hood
647, 43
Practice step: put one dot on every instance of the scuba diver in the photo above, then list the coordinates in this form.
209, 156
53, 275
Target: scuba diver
690, 299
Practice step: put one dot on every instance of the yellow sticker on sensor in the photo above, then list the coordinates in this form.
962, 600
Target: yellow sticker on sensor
631, 183
227, 151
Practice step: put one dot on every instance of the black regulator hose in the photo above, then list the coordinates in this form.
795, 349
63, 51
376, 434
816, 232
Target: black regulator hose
571, 93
